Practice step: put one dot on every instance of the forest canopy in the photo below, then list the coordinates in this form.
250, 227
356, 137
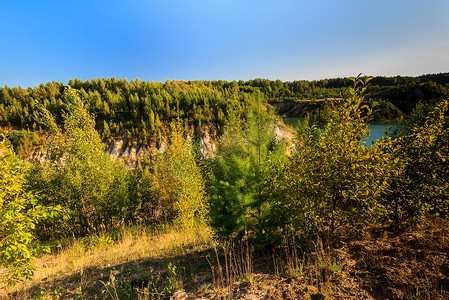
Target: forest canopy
120, 105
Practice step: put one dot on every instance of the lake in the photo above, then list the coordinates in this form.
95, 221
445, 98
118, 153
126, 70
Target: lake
376, 129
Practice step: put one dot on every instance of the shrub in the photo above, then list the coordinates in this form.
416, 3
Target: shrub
421, 184
80, 176
19, 214
178, 181
332, 183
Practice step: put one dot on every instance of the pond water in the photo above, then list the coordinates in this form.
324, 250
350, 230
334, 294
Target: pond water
377, 130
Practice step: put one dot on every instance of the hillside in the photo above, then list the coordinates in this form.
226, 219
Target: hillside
132, 116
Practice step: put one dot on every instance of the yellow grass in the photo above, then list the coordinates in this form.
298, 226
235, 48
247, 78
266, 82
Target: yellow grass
132, 245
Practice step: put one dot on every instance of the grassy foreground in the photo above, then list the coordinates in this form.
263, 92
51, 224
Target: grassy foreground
143, 263
84, 268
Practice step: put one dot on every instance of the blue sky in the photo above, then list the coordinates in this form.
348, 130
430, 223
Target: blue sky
42, 41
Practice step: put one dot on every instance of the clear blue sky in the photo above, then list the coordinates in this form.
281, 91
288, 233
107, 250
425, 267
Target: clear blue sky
42, 41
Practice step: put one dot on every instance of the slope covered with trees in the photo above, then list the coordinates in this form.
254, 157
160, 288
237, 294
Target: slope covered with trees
140, 109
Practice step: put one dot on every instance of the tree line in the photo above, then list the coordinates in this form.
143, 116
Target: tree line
141, 110
141, 104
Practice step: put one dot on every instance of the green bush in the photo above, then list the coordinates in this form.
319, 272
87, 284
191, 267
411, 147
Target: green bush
143, 196
80, 176
332, 183
421, 183
178, 181
19, 214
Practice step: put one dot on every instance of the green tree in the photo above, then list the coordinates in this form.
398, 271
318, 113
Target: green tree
332, 182
19, 214
80, 176
143, 196
106, 130
151, 120
421, 184
238, 205
178, 180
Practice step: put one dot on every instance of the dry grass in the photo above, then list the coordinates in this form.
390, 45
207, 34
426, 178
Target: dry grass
85, 259
142, 263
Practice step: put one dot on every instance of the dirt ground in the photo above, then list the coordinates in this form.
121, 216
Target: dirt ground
383, 265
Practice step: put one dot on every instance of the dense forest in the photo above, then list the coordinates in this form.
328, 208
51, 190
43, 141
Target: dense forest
140, 108
326, 185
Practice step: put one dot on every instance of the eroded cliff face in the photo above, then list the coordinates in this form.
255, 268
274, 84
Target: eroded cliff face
299, 109
131, 153
126, 151
37, 155
208, 140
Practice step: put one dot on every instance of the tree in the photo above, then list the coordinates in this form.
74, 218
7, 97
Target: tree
80, 176
106, 130
420, 185
151, 120
333, 182
178, 180
19, 214
238, 205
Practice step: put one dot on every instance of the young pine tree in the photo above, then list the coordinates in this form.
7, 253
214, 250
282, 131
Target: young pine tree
238, 204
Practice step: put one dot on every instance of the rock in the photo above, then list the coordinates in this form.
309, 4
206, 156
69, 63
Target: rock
126, 152
281, 132
116, 149
162, 147
133, 153
140, 153
179, 295
207, 146
208, 141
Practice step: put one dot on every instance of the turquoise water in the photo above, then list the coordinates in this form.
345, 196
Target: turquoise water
376, 129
